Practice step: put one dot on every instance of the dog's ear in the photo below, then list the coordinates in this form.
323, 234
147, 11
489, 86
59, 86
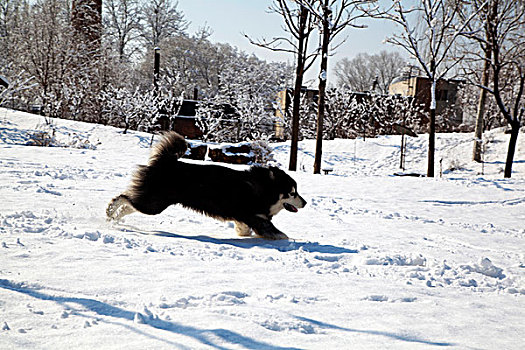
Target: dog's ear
272, 172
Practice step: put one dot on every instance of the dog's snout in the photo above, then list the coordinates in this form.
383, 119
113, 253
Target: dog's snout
303, 202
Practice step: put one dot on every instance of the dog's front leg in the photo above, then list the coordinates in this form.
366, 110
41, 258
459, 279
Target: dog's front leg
264, 228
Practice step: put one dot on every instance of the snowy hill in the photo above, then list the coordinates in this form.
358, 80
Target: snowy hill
375, 261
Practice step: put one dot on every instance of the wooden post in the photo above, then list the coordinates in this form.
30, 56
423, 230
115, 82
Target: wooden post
402, 161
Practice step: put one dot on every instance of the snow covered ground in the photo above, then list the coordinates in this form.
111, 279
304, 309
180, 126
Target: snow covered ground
375, 261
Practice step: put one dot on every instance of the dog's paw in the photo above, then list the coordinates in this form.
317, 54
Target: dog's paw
280, 236
110, 211
274, 236
118, 208
264, 228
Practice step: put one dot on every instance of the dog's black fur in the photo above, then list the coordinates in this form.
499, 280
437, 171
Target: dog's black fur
249, 197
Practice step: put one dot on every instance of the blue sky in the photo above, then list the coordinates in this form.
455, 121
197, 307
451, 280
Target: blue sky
229, 19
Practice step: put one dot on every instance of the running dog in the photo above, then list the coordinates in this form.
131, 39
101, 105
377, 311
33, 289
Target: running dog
250, 198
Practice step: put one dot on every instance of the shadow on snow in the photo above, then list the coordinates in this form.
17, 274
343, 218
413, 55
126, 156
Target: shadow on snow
13, 136
371, 332
248, 243
204, 336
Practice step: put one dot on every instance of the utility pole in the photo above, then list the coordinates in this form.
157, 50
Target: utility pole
156, 71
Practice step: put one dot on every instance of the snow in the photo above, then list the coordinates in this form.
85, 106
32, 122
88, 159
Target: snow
433, 95
375, 261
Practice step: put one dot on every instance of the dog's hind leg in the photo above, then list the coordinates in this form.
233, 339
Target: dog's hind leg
118, 208
264, 228
242, 229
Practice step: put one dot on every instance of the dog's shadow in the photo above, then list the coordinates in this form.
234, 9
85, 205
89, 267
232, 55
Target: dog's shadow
252, 242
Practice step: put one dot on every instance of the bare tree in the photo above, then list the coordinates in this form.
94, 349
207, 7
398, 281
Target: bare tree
429, 31
369, 72
387, 66
9, 16
299, 23
123, 25
505, 33
86, 19
354, 74
332, 16
162, 20
502, 54
197, 62
478, 132
481, 53
43, 45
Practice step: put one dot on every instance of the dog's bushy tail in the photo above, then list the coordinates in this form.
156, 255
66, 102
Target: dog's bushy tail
145, 193
172, 146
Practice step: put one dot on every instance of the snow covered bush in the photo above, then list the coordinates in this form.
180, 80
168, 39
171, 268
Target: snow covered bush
307, 118
169, 101
256, 152
79, 141
241, 121
350, 114
42, 138
46, 135
455, 165
243, 108
263, 152
130, 109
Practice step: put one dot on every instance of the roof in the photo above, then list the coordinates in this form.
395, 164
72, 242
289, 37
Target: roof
3, 81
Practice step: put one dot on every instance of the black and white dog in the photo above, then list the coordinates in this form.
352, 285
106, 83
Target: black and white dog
250, 198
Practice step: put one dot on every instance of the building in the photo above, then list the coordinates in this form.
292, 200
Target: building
283, 111
4, 82
418, 88
185, 122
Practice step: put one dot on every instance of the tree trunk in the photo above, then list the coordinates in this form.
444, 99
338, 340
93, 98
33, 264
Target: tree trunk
515, 129
295, 114
478, 133
297, 90
432, 122
431, 143
322, 88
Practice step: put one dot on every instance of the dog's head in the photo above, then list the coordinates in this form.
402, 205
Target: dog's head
289, 198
